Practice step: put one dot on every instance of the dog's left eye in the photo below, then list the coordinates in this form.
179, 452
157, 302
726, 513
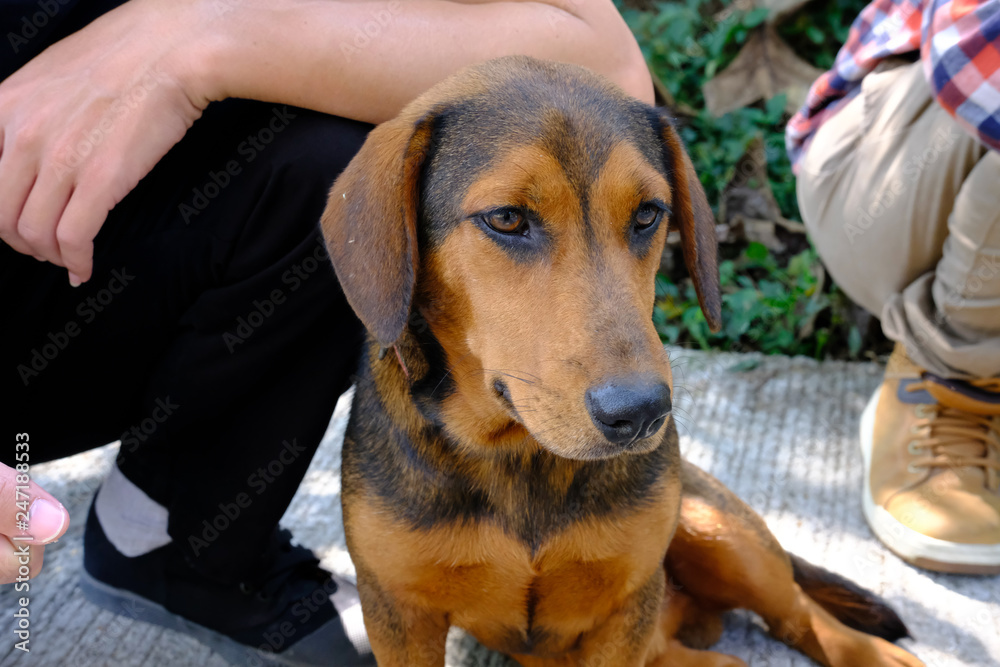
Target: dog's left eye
504, 220
647, 215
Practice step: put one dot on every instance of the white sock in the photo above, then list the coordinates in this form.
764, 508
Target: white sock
133, 522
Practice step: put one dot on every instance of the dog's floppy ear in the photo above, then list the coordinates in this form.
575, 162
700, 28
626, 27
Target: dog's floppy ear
693, 217
370, 224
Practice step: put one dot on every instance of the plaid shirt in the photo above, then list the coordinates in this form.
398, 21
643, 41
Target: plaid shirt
959, 44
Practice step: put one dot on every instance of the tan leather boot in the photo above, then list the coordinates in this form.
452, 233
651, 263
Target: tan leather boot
932, 468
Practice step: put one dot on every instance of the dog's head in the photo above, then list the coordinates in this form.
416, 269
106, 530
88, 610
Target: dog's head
520, 209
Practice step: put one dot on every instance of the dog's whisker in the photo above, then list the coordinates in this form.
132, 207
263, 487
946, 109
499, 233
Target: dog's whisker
683, 427
683, 392
513, 377
449, 372
679, 405
681, 415
510, 374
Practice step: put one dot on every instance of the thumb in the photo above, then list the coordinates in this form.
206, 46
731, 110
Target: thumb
28, 513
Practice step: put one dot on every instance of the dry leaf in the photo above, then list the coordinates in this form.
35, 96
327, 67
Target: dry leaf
747, 204
756, 203
761, 231
764, 67
748, 193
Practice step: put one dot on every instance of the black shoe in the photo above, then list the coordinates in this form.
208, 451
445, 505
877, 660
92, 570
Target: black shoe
286, 616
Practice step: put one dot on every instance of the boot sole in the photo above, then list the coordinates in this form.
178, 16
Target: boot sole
127, 603
916, 548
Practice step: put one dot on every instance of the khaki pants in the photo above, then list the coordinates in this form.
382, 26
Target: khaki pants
904, 208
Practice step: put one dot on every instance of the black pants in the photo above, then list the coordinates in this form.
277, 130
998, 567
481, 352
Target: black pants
212, 339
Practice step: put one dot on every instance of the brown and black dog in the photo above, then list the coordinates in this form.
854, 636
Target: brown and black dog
511, 466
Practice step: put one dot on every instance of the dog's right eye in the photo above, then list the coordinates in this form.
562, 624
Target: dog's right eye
505, 221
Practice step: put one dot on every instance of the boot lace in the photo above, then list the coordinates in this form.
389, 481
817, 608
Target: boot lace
942, 437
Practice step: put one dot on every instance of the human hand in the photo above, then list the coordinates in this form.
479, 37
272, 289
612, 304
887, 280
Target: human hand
26, 509
84, 121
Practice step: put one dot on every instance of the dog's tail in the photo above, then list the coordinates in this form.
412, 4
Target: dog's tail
849, 603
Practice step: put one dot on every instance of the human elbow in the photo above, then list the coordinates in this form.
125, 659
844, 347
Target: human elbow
634, 78
623, 63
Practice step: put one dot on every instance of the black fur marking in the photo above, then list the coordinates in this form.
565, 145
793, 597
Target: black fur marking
429, 391
532, 637
849, 603
647, 611
525, 642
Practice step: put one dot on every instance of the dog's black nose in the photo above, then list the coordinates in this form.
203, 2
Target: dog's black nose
627, 410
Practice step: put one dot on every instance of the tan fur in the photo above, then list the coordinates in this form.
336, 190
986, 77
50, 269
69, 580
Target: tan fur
562, 335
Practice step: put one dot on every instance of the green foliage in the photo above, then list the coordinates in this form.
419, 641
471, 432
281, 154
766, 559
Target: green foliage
687, 43
766, 307
772, 304
686, 46
817, 32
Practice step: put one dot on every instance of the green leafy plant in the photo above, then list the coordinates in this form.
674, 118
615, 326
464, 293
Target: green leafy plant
686, 46
767, 307
817, 32
687, 43
773, 303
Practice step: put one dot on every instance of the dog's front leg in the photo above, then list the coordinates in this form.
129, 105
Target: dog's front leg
401, 636
625, 638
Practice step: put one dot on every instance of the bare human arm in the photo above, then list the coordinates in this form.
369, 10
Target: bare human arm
83, 122
381, 54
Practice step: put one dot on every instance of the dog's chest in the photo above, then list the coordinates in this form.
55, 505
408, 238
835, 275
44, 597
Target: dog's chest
516, 599
528, 557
